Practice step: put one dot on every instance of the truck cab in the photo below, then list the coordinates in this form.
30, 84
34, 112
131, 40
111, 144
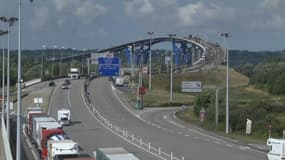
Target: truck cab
277, 149
74, 73
63, 116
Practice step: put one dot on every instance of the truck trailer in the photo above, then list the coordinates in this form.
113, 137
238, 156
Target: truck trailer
49, 138
114, 153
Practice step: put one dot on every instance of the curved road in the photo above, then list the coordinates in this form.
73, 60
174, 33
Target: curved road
189, 143
84, 128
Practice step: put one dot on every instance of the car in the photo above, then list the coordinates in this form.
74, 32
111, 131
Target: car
64, 86
67, 81
51, 84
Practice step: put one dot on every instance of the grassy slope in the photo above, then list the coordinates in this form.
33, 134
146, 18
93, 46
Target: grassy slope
159, 95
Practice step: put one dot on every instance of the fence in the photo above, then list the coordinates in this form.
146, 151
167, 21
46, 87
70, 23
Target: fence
155, 150
6, 142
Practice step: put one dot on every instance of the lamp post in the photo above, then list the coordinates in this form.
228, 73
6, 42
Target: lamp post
10, 21
171, 66
226, 35
3, 73
52, 67
42, 65
60, 69
18, 137
73, 51
149, 76
82, 62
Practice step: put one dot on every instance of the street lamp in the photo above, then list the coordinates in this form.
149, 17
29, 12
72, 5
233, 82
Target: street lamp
18, 137
3, 73
171, 68
82, 62
60, 71
227, 35
42, 65
73, 51
52, 67
149, 76
10, 21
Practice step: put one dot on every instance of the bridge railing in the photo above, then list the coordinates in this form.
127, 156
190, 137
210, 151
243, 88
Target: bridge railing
7, 149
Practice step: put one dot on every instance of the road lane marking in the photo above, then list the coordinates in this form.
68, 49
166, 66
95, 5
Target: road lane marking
172, 122
124, 138
51, 100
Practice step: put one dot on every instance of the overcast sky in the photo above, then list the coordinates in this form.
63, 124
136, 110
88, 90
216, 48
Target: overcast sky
253, 24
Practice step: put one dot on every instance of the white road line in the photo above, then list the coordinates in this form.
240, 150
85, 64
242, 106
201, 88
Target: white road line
68, 99
82, 96
51, 100
229, 145
172, 122
29, 143
244, 148
33, 153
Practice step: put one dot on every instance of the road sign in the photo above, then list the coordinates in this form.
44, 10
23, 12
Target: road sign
109, 66
145, 70
38, 100
191, 86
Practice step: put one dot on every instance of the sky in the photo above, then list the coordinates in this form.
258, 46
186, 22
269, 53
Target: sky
97, 24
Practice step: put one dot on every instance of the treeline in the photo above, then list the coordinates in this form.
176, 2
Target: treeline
268, 75
262, 112
31, 63
266, 71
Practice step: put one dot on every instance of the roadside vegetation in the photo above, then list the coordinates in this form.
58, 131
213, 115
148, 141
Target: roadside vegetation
257, 92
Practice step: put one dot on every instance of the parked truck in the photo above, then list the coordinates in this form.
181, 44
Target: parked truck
63, 116
277, 149
74, 73
49, 138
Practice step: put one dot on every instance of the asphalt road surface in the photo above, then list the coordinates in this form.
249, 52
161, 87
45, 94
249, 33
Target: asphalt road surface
84, 129
189, 142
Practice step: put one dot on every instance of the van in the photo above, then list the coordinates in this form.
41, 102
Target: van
277, 149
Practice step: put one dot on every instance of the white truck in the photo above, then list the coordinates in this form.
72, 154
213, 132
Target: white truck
61, 148
119, 81
277, 149
74, 73
63, 116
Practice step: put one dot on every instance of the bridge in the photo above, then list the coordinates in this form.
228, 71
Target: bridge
188, 53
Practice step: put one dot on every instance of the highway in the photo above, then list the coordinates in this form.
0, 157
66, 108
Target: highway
84, 128
187, 142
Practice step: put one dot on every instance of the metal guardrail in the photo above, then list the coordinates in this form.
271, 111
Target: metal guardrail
7, 149
155, 150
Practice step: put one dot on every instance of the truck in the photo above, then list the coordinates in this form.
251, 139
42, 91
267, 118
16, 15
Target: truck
114, 153
53, 144
68, 149
74, 73
31, 112
63, 116
277, 149
119, 81
49, 138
